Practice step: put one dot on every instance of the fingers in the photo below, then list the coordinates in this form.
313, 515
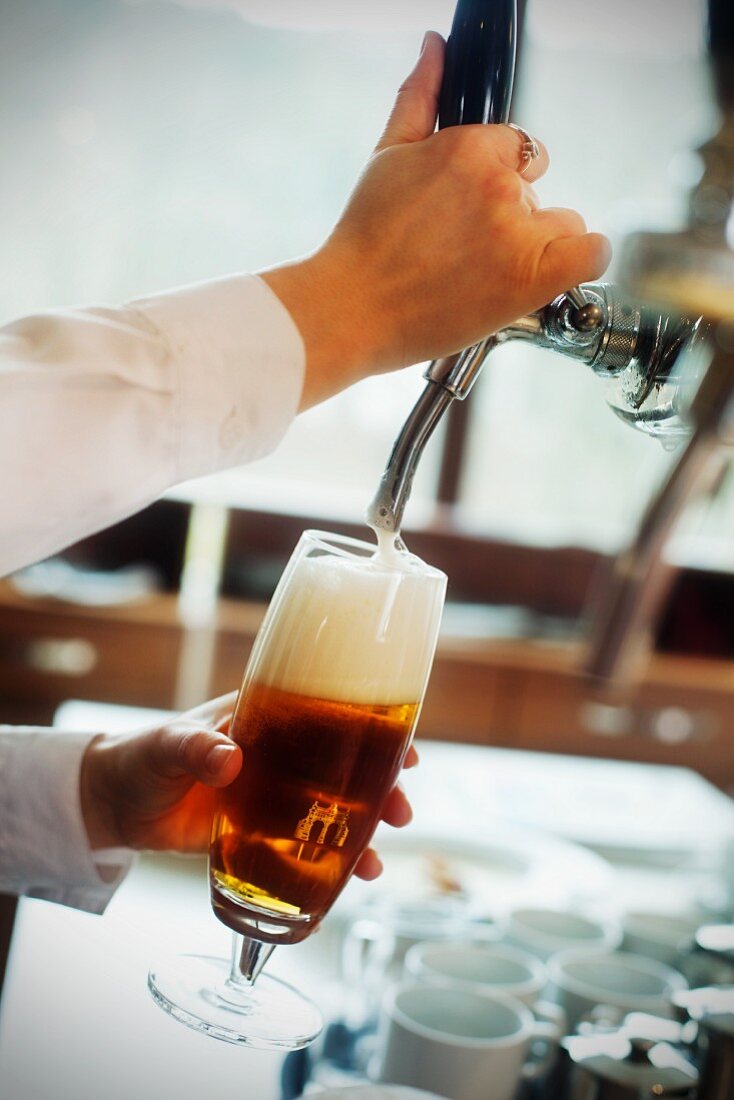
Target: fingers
369, 866
530, 198
507, 146
412, 759
573, 259
397, 810
187, 749
414, 115
222, 764
556, 221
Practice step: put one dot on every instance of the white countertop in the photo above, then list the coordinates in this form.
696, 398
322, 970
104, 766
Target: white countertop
77, 1022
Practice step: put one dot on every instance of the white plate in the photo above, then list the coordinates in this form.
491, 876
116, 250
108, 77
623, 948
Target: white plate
505, 867
645, 813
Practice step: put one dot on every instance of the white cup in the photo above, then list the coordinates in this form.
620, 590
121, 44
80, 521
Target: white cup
463, 1044
440, 920
489, 967
376, 1092
545, 932
661, 936
375, 946
619, 982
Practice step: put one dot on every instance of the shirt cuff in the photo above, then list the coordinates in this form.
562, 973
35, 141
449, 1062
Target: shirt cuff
44, 849
241, 362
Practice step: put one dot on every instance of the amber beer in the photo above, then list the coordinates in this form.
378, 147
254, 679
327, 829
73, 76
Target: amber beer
295, 822
324, 720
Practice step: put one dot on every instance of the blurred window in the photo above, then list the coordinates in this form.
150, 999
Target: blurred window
152, 143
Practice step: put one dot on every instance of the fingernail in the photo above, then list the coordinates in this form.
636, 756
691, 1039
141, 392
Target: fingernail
217, 757
424, 43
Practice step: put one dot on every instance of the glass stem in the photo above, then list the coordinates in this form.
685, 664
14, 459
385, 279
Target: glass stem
248, 958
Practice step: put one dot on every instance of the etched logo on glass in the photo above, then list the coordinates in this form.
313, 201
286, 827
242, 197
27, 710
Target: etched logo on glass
325, 817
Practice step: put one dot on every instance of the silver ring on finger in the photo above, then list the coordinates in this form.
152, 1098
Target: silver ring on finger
529, 148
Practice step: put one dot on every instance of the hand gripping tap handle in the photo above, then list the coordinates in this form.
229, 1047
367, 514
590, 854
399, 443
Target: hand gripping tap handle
477, 87
478, 79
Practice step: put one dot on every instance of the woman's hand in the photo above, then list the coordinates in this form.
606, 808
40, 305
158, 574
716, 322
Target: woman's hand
156, 789
442, 243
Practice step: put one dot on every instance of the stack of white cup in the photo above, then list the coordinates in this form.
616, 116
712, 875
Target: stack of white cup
465, 1019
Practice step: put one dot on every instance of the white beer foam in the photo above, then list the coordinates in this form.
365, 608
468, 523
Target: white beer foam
355, 631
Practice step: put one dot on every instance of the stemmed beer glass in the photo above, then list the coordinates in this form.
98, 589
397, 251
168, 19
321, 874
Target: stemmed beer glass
325, 716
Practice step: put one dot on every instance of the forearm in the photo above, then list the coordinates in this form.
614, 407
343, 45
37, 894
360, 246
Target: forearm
103, 410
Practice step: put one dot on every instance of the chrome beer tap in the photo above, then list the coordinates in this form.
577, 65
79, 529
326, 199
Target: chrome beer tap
662, 341
633, 348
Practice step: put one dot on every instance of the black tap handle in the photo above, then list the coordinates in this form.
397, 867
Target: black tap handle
721, 27
721, 45
480, 63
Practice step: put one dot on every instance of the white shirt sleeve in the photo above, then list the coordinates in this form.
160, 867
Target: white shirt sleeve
102, 410
44, 852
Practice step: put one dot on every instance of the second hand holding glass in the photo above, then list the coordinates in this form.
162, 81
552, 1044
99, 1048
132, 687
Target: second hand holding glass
325, 716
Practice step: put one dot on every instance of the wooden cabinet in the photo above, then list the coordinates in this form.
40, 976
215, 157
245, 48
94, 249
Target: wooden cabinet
52, 651
682, 713
519, 693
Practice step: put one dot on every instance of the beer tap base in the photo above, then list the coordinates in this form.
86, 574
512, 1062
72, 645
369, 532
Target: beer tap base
197, 990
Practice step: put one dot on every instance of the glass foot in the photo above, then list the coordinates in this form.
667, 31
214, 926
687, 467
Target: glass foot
197, 990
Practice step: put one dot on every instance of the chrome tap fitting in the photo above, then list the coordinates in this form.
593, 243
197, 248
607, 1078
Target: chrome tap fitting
634, 350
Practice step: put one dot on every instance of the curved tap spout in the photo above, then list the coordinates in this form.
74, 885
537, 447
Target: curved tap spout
385, 513
635, 351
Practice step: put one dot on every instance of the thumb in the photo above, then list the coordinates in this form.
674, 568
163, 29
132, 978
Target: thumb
414, 115
568, 261
187, 749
